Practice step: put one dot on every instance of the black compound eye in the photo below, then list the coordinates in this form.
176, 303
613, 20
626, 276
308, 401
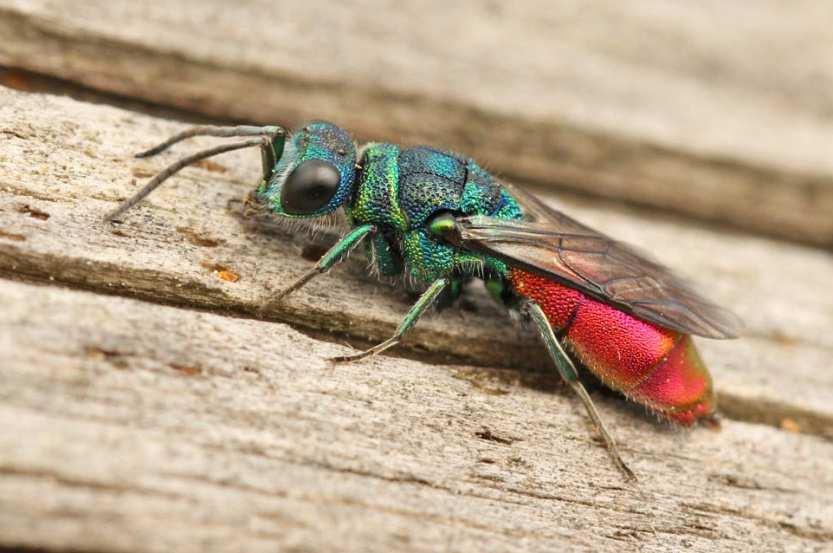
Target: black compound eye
310, 187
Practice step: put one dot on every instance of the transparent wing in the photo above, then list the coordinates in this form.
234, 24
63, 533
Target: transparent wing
551, 243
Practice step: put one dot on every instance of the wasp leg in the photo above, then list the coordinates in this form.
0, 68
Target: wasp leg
450, 294
335, 254
266, 138
411, 317
568, 372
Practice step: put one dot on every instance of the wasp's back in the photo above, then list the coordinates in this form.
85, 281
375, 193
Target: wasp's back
401, 189
404, 187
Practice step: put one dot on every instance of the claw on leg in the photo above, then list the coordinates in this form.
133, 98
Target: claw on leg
378, 348
279, 297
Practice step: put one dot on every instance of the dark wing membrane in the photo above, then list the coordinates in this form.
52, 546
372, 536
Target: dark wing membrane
553, 244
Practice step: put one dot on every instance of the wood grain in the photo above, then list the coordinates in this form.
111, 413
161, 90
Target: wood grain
65, 163
138, 427
717, 110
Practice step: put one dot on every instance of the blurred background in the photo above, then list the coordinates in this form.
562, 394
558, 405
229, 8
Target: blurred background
717, 111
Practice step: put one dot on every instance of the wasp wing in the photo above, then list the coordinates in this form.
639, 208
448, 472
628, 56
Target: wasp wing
551, 243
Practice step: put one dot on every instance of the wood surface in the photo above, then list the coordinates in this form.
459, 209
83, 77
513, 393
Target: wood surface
138, 427
719, 110
148, 408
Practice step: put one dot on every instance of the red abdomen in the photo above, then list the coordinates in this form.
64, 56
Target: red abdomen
651, 365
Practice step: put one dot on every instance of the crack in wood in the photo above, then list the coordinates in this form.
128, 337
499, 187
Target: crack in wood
150, 286
822, 536
74, 482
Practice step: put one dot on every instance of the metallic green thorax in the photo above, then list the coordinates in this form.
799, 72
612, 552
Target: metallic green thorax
400, 192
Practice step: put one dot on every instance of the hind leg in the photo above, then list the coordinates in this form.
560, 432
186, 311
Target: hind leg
569, 374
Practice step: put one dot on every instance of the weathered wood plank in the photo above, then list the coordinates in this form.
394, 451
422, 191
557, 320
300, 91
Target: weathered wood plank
716, 109
63, 164
138, 427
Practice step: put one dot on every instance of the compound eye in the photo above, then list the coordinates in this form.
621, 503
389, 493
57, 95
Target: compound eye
310, 187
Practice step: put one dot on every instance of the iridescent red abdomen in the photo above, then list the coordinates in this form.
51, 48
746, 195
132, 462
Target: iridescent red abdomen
651, 365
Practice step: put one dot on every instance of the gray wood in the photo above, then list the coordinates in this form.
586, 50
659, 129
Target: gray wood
135, 426
138, 427
715, 109
71, 161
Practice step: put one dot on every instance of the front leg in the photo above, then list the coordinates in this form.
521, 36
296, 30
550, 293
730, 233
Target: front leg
335, 254
411, 317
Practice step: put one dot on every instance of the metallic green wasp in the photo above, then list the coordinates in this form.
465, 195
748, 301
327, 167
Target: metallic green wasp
444, 220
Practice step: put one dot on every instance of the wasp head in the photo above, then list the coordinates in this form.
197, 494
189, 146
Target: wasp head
313, 175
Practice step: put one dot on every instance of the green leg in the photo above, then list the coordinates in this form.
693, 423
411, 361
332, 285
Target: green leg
334, 255
568, 372
411, 317
450, 294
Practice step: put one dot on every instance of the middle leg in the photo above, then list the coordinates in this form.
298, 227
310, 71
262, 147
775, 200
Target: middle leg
411, 317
